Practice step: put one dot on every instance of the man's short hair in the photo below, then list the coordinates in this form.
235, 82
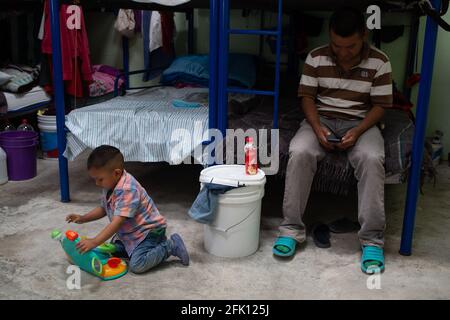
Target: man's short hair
105, 156
346, 21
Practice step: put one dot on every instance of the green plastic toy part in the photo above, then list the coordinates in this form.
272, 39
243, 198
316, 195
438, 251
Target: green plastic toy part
106, 248
96, 265
56, 234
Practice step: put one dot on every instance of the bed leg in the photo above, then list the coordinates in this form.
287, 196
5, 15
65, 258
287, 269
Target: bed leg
419, 134
59, 100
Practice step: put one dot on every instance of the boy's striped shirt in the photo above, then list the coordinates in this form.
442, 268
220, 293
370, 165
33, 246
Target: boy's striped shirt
129, 199
347, 95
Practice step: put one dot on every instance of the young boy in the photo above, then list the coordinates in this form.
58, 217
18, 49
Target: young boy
133, 216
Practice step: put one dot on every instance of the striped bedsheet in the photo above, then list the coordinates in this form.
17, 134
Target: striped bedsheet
143, 125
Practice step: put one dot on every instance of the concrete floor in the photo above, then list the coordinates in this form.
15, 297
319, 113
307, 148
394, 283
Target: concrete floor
32, 266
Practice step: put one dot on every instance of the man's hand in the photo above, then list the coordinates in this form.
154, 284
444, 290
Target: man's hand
75, 218
86, 245
349, 139
322, 133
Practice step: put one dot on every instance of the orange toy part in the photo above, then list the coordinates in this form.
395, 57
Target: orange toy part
109, 271
71, 235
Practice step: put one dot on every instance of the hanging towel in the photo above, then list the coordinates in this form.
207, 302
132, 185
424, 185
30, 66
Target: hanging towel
156, 39
203, 209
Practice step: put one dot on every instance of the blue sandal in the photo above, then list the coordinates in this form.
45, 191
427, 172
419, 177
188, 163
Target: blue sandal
284, 246
372, 259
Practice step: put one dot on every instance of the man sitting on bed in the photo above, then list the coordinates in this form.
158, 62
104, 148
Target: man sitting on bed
344, 88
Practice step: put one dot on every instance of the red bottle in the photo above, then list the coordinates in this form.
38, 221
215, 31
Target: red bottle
251, 161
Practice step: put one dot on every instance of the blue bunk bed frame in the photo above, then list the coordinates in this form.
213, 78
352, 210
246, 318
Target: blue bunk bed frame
219, 36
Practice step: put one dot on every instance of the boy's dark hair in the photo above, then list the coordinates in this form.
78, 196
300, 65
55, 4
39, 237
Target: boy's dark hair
105, 156
346, 21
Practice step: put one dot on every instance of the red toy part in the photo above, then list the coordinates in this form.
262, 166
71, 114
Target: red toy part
71, 235
113, 262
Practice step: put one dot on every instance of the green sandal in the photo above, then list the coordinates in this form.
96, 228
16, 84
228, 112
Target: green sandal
372, 259
284, 247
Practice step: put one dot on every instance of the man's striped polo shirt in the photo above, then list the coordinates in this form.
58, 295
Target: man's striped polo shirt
347, 95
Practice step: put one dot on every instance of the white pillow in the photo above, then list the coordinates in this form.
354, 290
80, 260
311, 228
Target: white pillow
4, 78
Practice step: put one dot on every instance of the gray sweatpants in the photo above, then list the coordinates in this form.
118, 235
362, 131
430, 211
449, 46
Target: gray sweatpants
367, 159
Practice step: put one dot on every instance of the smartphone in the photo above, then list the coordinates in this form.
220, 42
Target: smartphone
333, 139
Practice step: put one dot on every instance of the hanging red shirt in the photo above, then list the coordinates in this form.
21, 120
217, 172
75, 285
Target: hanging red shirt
76, 64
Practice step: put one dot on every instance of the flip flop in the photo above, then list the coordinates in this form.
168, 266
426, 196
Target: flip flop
372, 259
343, 225
284, 246
321, 235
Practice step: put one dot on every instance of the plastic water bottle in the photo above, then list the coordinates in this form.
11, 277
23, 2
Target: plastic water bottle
3, 168
251, 161
9, 127
25, 126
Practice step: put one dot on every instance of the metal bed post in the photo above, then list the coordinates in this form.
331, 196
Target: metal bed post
412, 46
213, 61
58, 87
429, 50
190, 19
277, 64
126, 61
222, 100
261, 38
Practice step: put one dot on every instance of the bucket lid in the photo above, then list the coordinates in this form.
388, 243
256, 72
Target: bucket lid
231, 175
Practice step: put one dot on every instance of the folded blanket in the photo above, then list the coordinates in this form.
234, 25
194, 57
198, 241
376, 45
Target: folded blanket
103, 83
23, 79
194, 69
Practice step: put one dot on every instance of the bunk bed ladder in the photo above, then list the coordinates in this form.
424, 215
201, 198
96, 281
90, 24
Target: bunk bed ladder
223, 89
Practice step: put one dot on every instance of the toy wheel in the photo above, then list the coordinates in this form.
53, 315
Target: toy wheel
96, 265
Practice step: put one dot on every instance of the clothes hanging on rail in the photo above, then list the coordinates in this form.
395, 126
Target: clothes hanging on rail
155, 32
156, 56
76, 64
137, 20
168, 31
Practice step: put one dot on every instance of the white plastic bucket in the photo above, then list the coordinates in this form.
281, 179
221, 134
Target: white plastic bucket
47, 128
234, 232
3, 167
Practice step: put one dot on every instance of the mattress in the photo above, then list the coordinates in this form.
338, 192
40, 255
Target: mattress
35, 96
145, 126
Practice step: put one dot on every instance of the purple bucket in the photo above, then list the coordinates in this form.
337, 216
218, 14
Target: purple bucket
20, 148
